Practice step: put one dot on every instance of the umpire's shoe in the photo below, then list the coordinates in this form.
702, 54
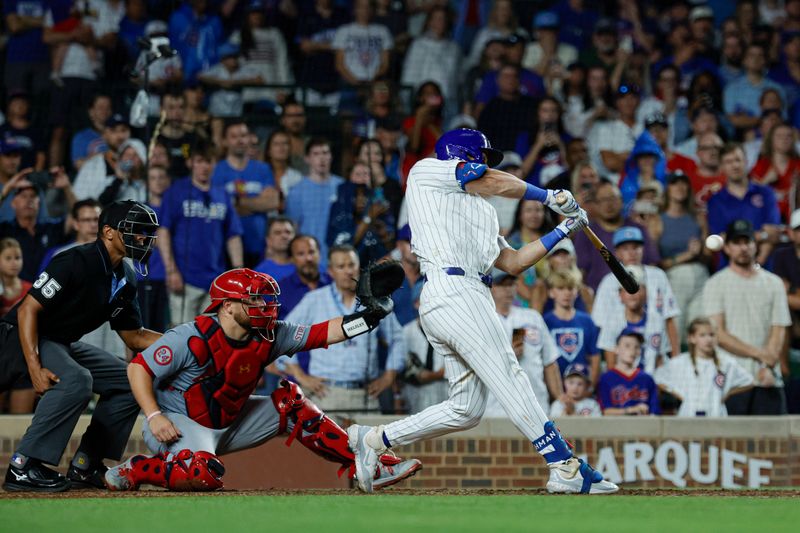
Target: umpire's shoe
34, 477
90, 478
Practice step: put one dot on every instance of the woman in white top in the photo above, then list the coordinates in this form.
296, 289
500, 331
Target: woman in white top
278, 154
701, 379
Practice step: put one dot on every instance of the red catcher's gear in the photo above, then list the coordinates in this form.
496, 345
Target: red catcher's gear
183, 471
258, 293
217, 398
322, 436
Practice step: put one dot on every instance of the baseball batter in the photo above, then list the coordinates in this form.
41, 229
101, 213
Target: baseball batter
455, 235
194, 386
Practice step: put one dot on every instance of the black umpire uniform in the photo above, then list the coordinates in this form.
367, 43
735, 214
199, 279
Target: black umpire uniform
78, 291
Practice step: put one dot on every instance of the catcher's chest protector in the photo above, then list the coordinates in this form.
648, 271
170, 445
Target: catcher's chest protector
217, 397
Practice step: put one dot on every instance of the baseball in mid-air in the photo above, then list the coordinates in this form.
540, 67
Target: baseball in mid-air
714, 243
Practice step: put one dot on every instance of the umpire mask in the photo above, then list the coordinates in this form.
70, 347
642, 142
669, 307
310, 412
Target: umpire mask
137, 225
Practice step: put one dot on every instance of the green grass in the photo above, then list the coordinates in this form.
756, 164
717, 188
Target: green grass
383, 513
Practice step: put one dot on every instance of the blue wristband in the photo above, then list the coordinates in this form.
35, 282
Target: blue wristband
532, 192
551, 239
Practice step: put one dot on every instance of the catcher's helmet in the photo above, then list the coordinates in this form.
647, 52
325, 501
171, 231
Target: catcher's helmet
258, 293
467, 145
137, 223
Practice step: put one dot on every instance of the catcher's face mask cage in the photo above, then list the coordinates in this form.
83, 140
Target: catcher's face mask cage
138, 231
257, 292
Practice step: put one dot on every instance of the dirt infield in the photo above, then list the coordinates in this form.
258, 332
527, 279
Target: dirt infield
79, 494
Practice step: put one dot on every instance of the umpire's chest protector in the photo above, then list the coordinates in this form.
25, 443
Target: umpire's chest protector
217, 397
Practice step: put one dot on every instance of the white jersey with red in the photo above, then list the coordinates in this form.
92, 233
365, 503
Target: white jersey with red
200, 373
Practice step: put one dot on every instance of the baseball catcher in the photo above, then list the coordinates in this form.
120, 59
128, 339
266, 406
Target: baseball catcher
195, 385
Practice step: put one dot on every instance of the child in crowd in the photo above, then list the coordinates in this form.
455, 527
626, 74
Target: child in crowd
701, 378
626, 389
638, 316
575, 400
13, 289
574, 331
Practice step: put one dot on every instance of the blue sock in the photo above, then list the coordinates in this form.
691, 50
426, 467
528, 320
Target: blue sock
552, 445
386, 440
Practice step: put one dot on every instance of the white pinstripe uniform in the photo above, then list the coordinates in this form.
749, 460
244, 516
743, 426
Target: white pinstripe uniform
539, 352
451, 228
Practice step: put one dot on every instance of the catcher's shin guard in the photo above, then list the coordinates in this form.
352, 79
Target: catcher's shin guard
195, 472
184, 471
315, 430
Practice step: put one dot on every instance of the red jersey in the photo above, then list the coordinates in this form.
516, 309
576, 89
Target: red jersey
782, 186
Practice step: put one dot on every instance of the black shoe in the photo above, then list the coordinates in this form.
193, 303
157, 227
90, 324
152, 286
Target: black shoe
34, 477
91, 478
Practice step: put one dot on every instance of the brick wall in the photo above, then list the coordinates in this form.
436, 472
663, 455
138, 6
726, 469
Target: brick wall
646, 452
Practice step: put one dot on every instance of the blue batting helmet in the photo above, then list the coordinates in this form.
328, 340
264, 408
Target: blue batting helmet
467, 145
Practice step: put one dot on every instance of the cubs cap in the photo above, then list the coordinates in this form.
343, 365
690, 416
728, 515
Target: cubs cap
117, 119
794, 220
228, 50
739, 228
9, 146
545, 20
577, 369
631, 332
628, 234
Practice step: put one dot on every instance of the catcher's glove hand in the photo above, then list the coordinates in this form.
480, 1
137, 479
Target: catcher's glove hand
374, 289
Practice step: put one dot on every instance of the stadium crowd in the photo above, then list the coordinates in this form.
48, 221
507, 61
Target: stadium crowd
283, 132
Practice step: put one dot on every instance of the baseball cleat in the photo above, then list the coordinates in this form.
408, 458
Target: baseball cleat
91, 478
574, 476
388, 475
366, 458
120, 477
34, 477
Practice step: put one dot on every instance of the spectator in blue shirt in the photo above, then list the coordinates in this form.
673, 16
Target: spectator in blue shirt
309, 202
742, 96
132, 26
19, 130
573, 331
346, 376
307, 276
277, 262
89, 142
250, 185
196, 35
27, 65
741, 198
198, 225
784, 72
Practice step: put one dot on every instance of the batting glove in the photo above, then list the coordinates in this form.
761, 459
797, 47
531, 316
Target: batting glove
568, 207
574, 223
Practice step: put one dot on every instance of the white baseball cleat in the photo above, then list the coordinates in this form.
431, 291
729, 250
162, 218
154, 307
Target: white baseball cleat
389, 474
574, 476
366, 458
120, 478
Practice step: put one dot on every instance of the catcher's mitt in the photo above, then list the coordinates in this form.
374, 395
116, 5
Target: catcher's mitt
375, 286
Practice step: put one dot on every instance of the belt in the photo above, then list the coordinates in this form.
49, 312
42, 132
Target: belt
486, 279
347, 384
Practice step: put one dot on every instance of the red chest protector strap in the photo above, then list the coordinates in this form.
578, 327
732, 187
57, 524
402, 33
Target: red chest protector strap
216, 399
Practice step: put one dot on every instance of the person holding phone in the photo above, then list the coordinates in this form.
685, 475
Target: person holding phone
547, 155
424, 127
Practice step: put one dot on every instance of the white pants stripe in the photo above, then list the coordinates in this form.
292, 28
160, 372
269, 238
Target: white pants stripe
458, 316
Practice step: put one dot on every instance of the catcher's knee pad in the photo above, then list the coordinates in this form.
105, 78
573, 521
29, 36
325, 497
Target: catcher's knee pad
194, 471
142, 469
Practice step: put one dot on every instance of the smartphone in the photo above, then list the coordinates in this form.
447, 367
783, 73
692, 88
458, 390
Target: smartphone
40, 179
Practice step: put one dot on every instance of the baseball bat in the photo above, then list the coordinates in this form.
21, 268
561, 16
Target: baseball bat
624, 277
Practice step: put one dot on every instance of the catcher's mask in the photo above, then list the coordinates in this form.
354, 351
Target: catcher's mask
466, 144
137, 224
257, 292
